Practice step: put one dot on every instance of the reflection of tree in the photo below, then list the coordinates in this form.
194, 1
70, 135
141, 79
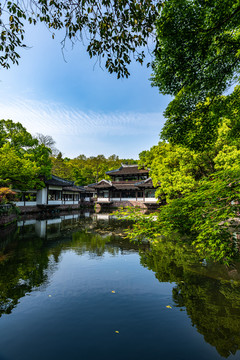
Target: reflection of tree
212, 304
22, 268
27, 261
95, 244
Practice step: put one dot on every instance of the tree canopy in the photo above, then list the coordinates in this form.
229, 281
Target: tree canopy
197, 60
201, 192
210, 300
23, 161
197, 49
86, 170
113, 30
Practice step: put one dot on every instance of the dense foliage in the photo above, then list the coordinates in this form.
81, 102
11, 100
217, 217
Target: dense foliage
111, 30
197, 172
203, 290
28, 261
197, 59
23, 162
6, 195
201, 190
86, 170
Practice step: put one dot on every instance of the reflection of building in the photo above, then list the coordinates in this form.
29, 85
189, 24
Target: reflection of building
128, 186
57, 192
51, 227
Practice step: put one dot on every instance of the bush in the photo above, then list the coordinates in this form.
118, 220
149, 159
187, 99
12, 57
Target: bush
6, 195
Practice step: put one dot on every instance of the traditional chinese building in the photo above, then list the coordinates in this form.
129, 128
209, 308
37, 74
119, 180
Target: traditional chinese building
129, 186
57, 192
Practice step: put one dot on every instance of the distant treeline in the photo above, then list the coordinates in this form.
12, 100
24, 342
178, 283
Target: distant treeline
26, 160
86, 170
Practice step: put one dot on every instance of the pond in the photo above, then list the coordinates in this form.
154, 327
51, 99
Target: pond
72, 287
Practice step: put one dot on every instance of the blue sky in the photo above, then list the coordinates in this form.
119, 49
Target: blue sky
84, 108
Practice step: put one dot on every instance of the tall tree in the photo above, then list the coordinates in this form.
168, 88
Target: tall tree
47, 141
23, 162
201, 190
197, 59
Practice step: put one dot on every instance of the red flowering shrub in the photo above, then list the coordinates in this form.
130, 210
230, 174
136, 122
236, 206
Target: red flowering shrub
6, 195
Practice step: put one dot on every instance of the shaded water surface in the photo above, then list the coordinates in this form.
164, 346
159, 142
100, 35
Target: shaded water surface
73, 288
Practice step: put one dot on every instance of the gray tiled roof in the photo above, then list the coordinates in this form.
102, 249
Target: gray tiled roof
127, 170
57, 181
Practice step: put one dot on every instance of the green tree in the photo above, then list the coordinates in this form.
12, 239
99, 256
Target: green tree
178, 169
201, 190
208, 292
111, 30
61, 167
23, 162
86, 170
197, 59
175, 168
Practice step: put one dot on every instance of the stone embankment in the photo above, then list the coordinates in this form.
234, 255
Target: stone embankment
8, 214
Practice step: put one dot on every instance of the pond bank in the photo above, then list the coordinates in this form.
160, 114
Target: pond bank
6, 220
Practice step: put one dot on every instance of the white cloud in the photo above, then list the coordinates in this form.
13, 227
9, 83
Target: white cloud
89, 132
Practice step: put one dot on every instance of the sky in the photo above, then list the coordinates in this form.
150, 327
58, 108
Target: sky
84, 108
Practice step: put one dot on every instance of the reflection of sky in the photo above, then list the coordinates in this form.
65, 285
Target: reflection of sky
71, 303
84, 108
76, 315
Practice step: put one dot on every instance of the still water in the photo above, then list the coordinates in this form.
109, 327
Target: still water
73, 288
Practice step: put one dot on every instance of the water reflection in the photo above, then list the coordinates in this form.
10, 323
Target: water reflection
210, 294
30, 252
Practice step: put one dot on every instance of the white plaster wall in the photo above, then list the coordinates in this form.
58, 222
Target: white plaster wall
26, 222
151, 200
54, 221
102, 199
55, 202
19, 203
103, 217
122, 199
42, 197
27, 203
128, 199
69, 202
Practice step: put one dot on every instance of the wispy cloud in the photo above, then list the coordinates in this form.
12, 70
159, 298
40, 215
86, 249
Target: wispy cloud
89, 131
